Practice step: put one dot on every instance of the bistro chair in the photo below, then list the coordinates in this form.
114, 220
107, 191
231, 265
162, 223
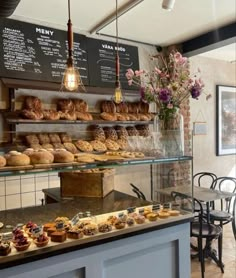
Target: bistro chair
138, 192
204, 178
201, 230
226, 213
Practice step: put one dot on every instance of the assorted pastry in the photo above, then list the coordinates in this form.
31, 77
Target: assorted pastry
62, 228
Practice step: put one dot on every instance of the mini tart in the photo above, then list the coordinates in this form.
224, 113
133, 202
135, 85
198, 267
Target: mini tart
90, 229
174, 212
41, 243
130, 221
5, 248
22, 247
163, 214
139, 219
112, 219
152, 216
119, 224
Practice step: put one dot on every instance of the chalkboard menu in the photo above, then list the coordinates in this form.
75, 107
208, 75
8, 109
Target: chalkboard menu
101, 61
35, 52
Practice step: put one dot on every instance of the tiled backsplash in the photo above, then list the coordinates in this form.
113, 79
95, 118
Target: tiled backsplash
25, 191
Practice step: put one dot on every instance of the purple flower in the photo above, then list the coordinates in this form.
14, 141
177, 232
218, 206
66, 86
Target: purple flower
195, 92
164, 95
142, 92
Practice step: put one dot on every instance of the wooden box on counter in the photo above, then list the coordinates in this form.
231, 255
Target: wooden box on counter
97, 183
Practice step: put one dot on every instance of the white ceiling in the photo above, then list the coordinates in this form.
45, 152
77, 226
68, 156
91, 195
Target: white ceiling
147, 22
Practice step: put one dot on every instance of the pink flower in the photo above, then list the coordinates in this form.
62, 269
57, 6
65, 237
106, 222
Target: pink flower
157, 70
139, 72
130, 81
179, 59
170, 106
129, 74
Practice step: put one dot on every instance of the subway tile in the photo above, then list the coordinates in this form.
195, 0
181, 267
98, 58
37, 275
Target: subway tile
41, 183
13, 201
2, 188
27, 176
2, 179
12, 187
28, 185
28, 199
2, 203
10, 178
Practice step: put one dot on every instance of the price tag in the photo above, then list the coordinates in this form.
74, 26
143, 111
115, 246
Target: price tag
59, 225
6, 236
156, 207
175, 205
131, 209
141, 211
37, 231
121, 214
166, 206
75, 219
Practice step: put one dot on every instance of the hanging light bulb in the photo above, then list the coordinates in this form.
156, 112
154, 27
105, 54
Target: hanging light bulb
117, 98
71, 78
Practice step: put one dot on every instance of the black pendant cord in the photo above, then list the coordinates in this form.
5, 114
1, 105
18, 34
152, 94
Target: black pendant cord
117, 83
70, 36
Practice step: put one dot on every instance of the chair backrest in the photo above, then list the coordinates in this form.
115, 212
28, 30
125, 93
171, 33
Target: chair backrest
138, 192
226, 184
204, 178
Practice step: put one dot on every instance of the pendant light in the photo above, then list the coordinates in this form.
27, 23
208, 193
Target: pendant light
71, 79
117, 98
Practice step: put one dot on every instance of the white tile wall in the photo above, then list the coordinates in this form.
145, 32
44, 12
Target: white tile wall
2, 188
2, 203
41, 182
28, 199
27, 185
54, 181
13, 201
12, 187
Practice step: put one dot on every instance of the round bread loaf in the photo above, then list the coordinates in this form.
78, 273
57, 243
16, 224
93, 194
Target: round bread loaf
108, 116
80, 105
2, 161
62, 156
51, 115
41, 157
31, 102
32, 114
65, 105
15, 158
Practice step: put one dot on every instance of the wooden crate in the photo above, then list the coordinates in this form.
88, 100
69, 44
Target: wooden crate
94, 184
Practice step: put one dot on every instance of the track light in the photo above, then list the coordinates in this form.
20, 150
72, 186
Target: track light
168, 4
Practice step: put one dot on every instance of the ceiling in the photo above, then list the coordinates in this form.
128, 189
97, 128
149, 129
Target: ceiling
147, 22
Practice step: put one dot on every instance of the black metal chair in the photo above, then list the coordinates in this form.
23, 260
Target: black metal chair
204, 178
138, 192
201, 230
226, 214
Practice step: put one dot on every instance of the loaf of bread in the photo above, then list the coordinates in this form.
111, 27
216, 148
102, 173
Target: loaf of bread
110, 133
65, 138
69, 115
108, 106
108, 116
144, 107
70, 147
132, 131
41, 157
80, 105
51, 115
32, 103
32, 114
99, 134
31, 139
84, 146
143, 130
84, 116
43, 138
121, 132
54, 138
3, 161
65, 105
14, 158
63, 156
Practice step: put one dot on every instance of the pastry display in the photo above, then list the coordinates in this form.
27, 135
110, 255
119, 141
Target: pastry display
119, 224
5, 247
75, 233
44, 138
90, 229
104, 227
139, 219
80, 105
111, 145
99, 134
41, 241
84, 146
63, 156
110, 133
98, 146
14, 158
32, 102
70, 147
41, 157
3, 161
58, 236
152, 216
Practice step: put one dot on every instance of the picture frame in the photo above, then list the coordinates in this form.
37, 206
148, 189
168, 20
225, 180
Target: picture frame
225, 120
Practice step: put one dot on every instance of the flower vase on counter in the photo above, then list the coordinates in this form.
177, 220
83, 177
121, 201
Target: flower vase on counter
171, 130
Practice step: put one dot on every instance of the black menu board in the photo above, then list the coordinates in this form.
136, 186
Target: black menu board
35, 52
102, 64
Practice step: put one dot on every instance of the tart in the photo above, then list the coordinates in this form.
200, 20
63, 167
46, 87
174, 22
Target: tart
104, 227
139, 219
119, 224
41, 241
5, 248
152, 216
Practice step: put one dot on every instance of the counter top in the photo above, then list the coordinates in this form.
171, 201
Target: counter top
112, 204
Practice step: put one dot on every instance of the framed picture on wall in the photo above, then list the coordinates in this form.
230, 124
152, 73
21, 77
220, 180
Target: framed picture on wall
225, 120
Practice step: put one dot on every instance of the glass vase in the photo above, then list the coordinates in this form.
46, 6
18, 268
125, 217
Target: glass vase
171, 132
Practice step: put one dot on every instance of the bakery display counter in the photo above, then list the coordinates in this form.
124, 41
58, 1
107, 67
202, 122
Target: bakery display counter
113, 206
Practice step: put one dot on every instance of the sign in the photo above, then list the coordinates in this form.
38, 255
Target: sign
102, 63
35, 52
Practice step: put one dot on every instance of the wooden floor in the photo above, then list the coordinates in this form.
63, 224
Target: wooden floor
229, 259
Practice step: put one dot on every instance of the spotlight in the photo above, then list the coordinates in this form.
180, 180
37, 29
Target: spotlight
168, 4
